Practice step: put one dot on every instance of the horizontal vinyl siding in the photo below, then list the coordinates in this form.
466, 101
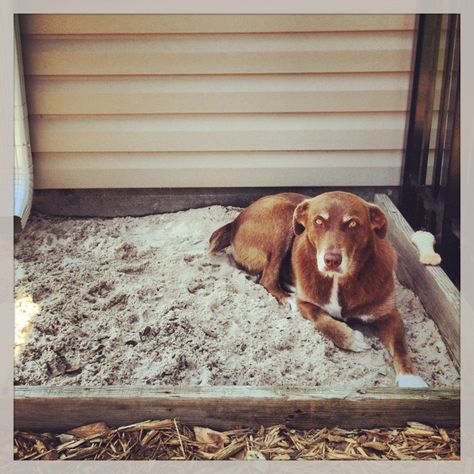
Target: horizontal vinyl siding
218, 53
188, 132
219, 169
162, 24
217, 100
365, 92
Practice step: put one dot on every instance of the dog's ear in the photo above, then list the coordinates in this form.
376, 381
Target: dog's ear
378, 220
300, 216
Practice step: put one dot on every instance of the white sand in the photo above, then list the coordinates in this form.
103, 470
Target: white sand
140, 301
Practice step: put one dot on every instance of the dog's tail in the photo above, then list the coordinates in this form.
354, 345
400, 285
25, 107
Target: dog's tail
220, 238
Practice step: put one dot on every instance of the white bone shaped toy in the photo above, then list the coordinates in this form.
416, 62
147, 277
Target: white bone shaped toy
424, 242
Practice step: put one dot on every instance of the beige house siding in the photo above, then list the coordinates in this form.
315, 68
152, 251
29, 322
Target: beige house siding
217, 100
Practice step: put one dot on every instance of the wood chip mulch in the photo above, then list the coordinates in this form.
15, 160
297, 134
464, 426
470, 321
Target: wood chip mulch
171, 440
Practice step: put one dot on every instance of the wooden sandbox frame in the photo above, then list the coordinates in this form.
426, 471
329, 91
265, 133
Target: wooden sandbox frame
223, 407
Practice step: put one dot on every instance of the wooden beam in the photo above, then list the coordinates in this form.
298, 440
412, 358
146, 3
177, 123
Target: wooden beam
112, 202
439, 296
223, 407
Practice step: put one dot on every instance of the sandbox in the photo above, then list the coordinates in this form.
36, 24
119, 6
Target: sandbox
140, 302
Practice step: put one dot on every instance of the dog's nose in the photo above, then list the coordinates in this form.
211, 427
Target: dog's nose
332, 259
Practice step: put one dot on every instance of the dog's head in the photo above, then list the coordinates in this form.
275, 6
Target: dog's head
340, 226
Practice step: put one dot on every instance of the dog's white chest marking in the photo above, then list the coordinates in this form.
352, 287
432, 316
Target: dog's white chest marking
333, 307
366, 318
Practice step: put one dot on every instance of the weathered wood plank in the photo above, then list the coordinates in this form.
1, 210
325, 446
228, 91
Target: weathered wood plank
128, 201
60, 408
439, 296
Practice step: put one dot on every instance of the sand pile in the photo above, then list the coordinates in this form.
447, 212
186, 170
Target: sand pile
140, 301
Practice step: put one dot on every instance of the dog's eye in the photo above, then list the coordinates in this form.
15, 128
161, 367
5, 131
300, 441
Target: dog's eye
352, 224
318, 221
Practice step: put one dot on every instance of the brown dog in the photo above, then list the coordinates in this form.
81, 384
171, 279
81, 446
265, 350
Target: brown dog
333, 249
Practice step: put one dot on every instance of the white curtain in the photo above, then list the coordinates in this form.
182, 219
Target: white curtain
23, 174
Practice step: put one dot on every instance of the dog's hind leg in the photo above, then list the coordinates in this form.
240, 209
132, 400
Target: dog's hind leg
270, 279
272, 272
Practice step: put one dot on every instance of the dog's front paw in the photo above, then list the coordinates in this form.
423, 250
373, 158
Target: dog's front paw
291, 302
357, 342
410, 381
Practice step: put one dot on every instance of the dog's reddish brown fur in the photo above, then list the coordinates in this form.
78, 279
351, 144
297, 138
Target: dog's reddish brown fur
334, 249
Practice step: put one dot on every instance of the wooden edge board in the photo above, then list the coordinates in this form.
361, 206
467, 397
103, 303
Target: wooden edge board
120, 202
439, 296
225, 407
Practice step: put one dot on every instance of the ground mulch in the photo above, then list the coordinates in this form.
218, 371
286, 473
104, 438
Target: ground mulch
171, 440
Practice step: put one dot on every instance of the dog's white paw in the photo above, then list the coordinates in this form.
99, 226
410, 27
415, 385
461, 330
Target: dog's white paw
410, 381
291, 302
358, 343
